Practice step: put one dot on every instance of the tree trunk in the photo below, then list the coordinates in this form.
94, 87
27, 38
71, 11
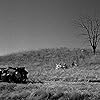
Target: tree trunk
94, 50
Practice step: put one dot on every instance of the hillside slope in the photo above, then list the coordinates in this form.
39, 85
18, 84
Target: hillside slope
41, 63
44, 56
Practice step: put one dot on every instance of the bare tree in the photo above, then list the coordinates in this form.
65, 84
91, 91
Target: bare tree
90, 28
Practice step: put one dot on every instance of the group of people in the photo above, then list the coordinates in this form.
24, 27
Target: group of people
15, 75
60, 65
64, 65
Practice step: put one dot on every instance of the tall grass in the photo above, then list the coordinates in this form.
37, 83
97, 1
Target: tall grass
57, 84
51, 91
41, 63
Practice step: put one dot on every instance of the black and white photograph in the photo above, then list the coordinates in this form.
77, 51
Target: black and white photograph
49, 49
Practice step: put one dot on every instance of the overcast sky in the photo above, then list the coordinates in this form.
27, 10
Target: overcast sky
34, 24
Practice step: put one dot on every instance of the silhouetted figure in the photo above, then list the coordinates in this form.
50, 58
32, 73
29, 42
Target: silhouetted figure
65, 66
74, 64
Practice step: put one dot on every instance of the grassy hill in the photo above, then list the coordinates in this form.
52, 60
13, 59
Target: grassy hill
45, 56
41, 63
59, 84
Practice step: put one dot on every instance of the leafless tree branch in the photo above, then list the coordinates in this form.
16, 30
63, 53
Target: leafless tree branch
91, 27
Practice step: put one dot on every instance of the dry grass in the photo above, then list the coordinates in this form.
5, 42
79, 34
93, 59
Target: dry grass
50, 91
58, 84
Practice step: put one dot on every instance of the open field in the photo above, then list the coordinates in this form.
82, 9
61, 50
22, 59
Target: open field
50, 91
58, 84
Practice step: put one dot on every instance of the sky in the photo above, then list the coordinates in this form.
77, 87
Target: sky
36, 24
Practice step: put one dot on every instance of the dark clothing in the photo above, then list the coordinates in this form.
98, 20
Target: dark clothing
16, 75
